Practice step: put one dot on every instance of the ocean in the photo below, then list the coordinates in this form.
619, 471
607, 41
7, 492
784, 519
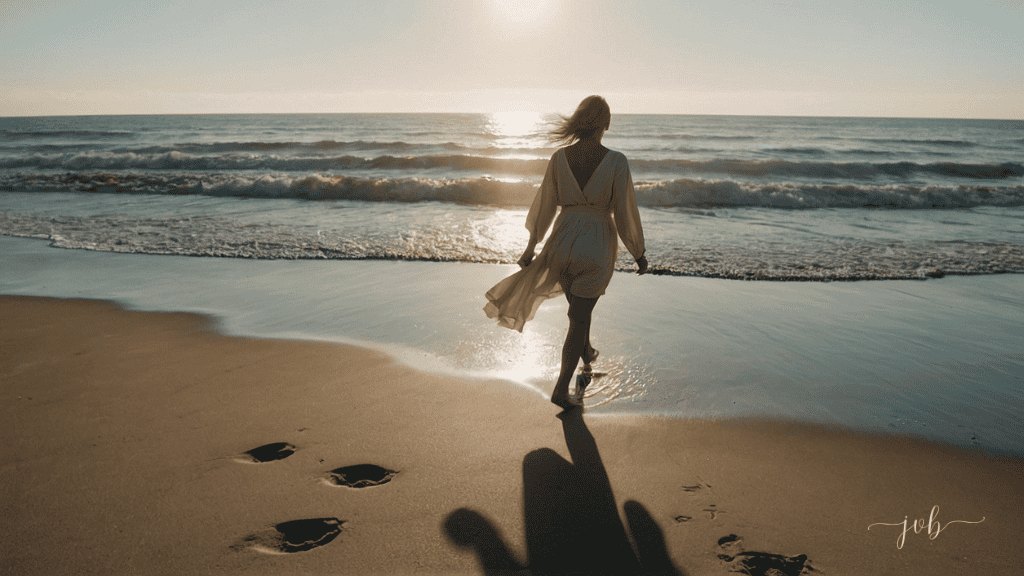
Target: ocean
772, 198
331, 227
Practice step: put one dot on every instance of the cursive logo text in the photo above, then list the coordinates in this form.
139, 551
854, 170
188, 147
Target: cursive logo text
933, 526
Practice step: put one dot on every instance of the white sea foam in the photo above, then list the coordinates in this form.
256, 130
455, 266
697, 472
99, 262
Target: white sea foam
488, 240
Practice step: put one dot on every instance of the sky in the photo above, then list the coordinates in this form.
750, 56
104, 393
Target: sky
881, 58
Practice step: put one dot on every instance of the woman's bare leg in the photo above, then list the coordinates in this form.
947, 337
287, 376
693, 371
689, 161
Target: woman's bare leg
580, 311
588, 350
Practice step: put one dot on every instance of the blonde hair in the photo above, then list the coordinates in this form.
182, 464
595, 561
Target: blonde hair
591, 115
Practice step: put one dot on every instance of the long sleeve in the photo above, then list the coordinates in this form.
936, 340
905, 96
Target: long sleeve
542, 212
627, 216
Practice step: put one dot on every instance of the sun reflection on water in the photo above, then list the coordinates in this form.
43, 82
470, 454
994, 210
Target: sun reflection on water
502, 233
528, 358
515, 129
532, 359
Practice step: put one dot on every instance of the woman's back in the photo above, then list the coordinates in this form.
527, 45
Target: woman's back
593, 184
583, 160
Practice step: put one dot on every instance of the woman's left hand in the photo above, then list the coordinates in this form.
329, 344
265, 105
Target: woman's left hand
641, 264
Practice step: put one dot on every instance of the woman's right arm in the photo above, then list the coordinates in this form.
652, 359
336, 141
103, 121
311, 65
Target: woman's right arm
542, 212
527, 256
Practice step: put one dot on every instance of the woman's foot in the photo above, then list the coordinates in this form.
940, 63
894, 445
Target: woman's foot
590, 355
562, 399
582, 381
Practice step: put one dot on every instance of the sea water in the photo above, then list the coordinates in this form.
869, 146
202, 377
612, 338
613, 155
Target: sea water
720, 196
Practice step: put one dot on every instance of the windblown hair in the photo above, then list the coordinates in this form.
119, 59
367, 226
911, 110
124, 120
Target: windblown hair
591, 115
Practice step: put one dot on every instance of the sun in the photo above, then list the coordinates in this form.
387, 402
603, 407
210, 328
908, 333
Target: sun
522, 11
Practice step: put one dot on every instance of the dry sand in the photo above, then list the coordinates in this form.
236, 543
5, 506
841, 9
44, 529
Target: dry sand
125, 433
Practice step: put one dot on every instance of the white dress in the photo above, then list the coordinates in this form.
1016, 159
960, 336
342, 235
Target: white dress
580, 255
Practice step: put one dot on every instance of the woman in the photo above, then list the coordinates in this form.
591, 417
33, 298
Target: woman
593, 186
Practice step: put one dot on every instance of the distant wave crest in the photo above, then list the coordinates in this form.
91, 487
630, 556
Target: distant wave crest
158, 158
683, 136
176, 160
935, 142
65, 134
829, 170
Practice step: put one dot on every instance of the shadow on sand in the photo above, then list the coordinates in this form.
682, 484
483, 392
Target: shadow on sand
572, 520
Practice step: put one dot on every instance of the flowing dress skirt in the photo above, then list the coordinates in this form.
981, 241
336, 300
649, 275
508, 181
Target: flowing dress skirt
578, 258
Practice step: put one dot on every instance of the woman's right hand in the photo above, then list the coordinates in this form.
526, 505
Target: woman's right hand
526, 258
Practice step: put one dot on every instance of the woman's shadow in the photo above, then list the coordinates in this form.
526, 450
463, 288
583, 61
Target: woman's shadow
572, 520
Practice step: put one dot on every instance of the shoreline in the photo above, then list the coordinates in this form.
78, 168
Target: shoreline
128, 450
934, 359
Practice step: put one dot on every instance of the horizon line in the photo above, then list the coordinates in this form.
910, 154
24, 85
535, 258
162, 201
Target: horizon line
500, 112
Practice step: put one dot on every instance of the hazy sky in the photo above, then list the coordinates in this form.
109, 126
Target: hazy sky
931, 58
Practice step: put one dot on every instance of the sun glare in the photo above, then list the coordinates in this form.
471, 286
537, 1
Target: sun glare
516, 129
521, 10
514, 123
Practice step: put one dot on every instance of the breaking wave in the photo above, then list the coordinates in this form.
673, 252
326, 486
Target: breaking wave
485, 190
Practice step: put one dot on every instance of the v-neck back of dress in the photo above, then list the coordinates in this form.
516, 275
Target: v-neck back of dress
590, 178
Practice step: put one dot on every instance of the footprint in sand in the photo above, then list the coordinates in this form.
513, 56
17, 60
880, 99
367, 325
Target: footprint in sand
697, 489
700, 489
360, 476
760, 563
292, 536
267, 453
713, 511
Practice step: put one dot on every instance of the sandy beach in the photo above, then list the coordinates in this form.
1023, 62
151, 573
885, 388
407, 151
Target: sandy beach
125, 452
254, 317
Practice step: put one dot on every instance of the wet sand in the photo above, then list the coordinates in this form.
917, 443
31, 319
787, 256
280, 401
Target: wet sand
126, 433
937, 359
